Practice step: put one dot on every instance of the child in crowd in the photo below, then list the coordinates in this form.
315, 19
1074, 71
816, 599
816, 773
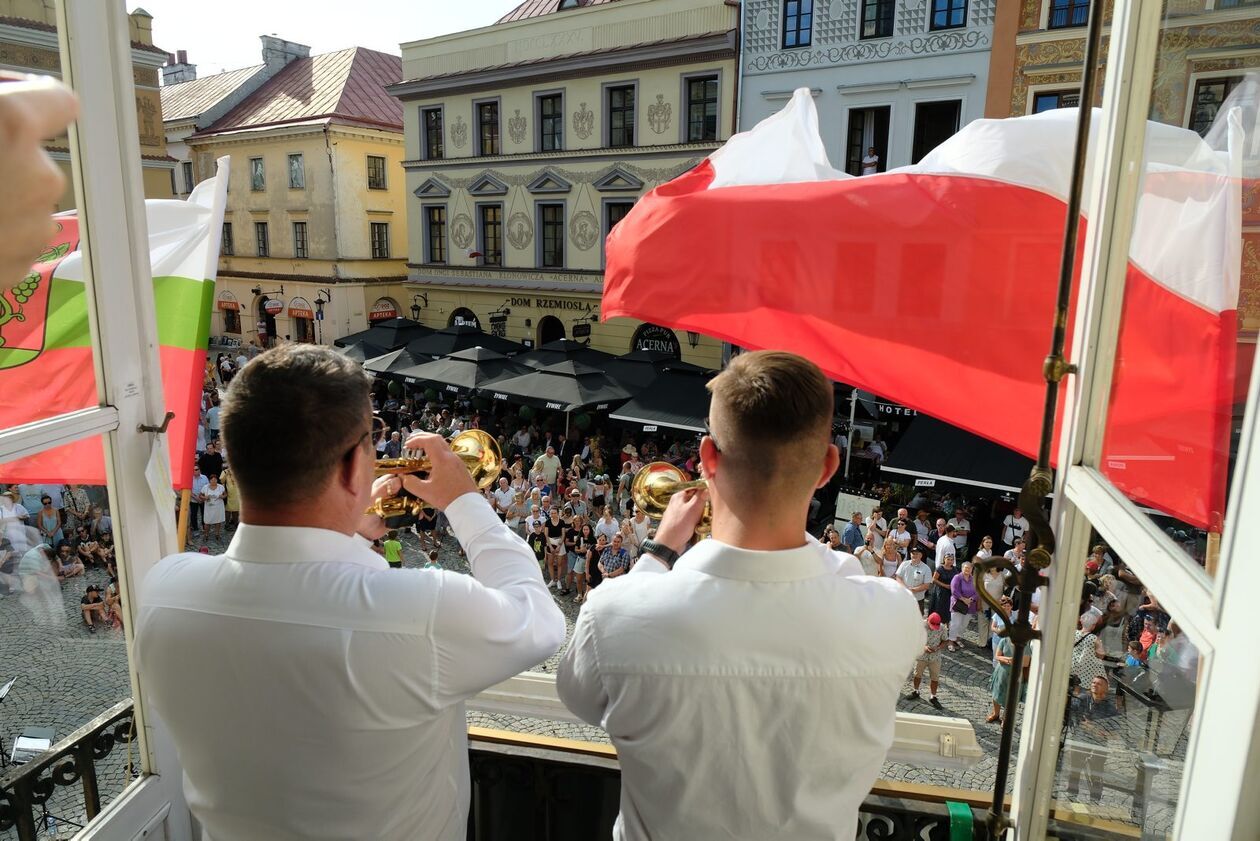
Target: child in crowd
392, 549
432, 562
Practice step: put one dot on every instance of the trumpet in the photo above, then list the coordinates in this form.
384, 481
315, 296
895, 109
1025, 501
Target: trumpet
657, 482
475, 447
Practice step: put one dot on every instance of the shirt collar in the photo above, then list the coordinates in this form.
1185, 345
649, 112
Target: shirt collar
713, 557
293, 544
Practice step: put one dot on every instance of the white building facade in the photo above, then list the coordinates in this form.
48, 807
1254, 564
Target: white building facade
896, 75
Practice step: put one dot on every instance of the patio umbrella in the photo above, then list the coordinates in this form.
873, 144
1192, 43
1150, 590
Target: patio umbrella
677, 399
564, 386
390, 364
391, 334
449, 340
562, 350
361, 351
464, 370
639, 369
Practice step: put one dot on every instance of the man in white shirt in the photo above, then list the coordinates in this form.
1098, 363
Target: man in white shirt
877, 525
503, 497
946, 547
547, 465
962, 530
195, 499
916, 576
750, 692
312, 692
1013, 528
870, 163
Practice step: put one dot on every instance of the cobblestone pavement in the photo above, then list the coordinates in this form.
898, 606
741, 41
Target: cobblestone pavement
67, 676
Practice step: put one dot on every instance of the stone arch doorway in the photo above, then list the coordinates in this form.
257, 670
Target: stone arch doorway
550, 329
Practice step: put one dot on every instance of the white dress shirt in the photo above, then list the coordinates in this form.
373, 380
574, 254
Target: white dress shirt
314, 693
750, 695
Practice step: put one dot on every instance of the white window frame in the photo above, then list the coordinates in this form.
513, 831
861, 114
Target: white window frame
1214, 800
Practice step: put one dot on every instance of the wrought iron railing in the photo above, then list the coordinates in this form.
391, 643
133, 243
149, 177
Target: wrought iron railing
26, 790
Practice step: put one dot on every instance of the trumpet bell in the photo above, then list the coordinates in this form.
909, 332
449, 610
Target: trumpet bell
657, 482
475, 447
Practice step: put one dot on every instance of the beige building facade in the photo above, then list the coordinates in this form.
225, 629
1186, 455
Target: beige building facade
526, 141
28, 44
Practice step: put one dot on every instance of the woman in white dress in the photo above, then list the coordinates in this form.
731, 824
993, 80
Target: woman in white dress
214, 511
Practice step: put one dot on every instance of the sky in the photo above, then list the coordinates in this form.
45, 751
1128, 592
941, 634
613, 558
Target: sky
224, 35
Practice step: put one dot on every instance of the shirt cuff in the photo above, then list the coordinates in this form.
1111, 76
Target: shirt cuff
471, 515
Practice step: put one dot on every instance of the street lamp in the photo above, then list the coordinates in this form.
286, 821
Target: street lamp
323, 296
415, 305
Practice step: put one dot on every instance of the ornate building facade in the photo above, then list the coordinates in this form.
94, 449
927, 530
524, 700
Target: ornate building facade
528, 140
898, 76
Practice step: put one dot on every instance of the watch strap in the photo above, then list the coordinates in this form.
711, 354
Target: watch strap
660, 550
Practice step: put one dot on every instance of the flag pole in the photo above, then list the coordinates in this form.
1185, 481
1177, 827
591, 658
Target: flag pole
184, 496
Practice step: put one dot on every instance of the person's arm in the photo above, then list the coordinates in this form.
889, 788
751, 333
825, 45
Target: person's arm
578, 681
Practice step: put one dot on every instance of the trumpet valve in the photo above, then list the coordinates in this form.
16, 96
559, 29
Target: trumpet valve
400, 466
396, 506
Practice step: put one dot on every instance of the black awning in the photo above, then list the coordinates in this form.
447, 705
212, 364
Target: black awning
676, 399
931, 451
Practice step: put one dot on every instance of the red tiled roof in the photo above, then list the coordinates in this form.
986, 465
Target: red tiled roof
48, 27
188, 99
347, 86
538, 8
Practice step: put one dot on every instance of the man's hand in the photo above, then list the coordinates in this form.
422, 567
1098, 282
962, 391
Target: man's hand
681, 518
371, 526
448, 479
32, 109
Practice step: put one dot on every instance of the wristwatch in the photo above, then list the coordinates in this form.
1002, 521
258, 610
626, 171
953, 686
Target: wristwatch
660, 550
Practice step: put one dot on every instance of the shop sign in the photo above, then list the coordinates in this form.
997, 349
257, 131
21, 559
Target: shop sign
551, 304
383, 308
227, 301
301, 308
925, 483
655, 337
464, 317
273, 306
498, 326
551, 405
649, 427
582, 331
894, 409
497, 396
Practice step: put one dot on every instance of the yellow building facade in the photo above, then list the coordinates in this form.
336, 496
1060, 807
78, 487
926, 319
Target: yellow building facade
528, 140
316, 215
28, 44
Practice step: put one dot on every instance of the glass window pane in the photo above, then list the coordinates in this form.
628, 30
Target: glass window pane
1192, 296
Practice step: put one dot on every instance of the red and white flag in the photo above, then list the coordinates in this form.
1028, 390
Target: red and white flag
934, 285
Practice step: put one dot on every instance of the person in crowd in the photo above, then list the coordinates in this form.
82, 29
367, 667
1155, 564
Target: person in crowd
852, 536
729, 607
555, 529
902, 538
923, 528
994, 583
548, 466
196, 500
92, 607
231, 499
1091, 717
516, 511
1133, 654
946, 548
614, 561
48, 522
113, 603
1150, 631
999, 684
381, 661
391, 549
916, 577
577, 504
1014, 526
426, 529
964, 604
211, 461
501, 497
600, 492
642, 525
929, 660
865, 553
1089, 657
583, 543
535, 515
431, 560
13, 520
831, 538
76, 508
876, 523
629, 540
536, 539
986, 548
594, 574
889, 557
607, 525
932, 544
67, 566
213, 510
940, 594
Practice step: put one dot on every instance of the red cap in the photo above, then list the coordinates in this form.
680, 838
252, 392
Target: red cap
934, 620
1092, 566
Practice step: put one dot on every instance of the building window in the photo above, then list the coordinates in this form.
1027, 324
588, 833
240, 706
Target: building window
226, 249
934, 123
702, 109
798, 23
257, 175
435, 233
551, 236
232, 321
1050, 100
551, 122
487, 128
866, 152
174, 186
297, 173
877, 18
1065, 13
380, 239
431, 126
299, 239
614, 212
621, 115
948, 14
189, 183
490, 224
376, 172
260, 234
1209, 95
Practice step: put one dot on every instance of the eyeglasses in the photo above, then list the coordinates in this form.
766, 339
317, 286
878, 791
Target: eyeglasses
377, 430
709, 432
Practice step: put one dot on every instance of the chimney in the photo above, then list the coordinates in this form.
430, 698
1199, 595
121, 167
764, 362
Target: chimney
277, 52
177, 69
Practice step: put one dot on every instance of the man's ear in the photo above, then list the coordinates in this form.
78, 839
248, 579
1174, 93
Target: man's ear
709, 456
350, 468
831, 463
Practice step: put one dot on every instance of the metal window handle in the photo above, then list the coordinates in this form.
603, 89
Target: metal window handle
158, 429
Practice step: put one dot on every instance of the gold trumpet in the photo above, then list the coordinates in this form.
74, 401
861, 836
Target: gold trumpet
657, 482
475, 447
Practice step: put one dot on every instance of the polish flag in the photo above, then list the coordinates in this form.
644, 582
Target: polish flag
934, 285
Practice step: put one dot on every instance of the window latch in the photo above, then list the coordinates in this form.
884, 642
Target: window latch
158, 429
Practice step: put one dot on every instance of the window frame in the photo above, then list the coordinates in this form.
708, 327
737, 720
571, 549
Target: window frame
301, 245
301, 170
792, 24
227, 246
426, 140
606, 93
257, 186
684, 127
231, 321
948, 11
262, 239
1071, 7
427, 233
190, 177
605, 226
373, 241
478, 145
384, 167
481, 208
1059, 90
541, 209
879, 6
539, 133
1194, 81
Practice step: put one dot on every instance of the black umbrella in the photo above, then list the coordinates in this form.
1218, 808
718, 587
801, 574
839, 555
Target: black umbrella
464, 370
391, 334
361, 351
564, 386
563, 350
449, 340
677, 399
639, 369
390, 365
